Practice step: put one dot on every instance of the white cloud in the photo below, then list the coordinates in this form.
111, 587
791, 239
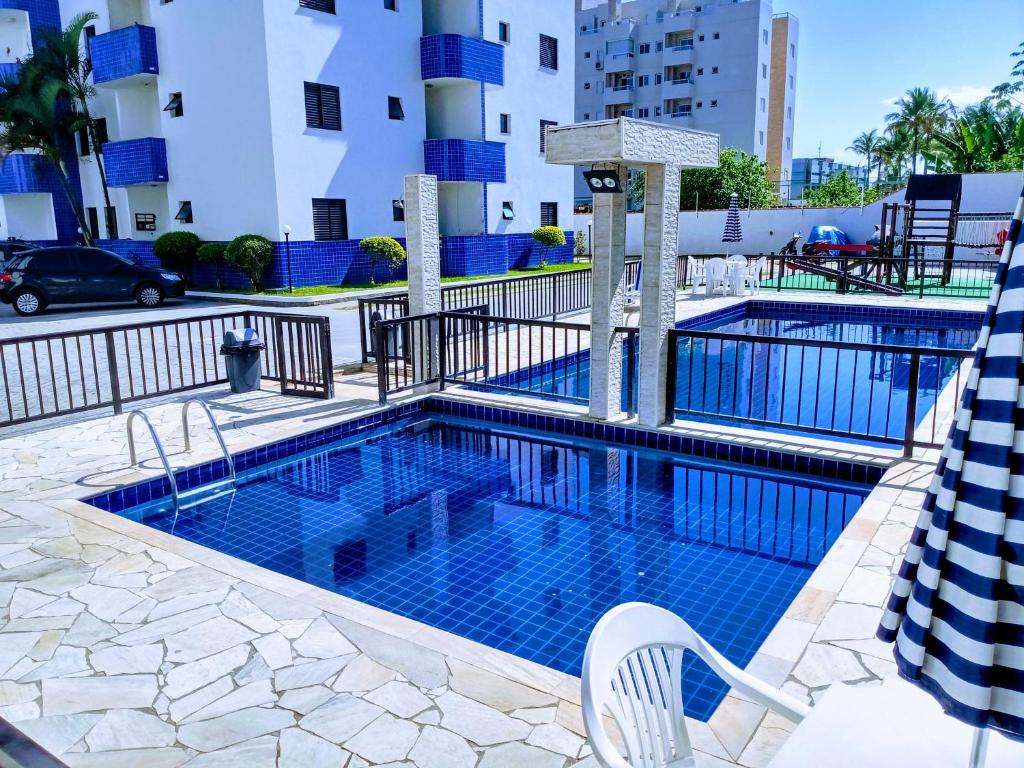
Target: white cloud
964, 95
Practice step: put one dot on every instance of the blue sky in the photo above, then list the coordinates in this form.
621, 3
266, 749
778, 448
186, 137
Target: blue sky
856, 56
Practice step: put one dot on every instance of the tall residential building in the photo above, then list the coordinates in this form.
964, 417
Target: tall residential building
224, 118
810, 172
725, 66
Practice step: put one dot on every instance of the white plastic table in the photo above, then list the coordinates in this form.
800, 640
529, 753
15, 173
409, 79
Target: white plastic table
735, 273
881, 726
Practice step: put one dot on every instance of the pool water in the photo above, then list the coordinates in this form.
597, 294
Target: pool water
521, 541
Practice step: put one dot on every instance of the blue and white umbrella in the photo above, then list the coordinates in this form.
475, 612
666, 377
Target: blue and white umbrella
956, 611
733, 231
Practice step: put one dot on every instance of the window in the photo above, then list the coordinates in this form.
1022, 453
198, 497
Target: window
83, 142
714, 70
643, 81
586, 55
102, 137
657, 79
657, 111
789, 143
714, 103
659, 47
507, 212
90, 33
760, 137
789, 113
390, 5
764, 104
504, 32
700, 105
112, 223
184, 214
174, 106
700, 71
324, 6
330, 219
716, 36
645, 48
398, 210
548, 52
395, 111
505, 122
764, 71
586, 115
94, 222
791, 82
643, 112
700, 38
544, 134
792, 50
764, 36
549, 214
586, 86
323, 106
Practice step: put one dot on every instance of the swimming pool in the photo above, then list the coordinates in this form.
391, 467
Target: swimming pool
520, 538
801, 381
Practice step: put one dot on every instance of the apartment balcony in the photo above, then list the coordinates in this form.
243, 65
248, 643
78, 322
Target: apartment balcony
461, 57
26, 174
125, 57
465, 160
136, 162
680, 53
679, 21
677, 88
619, 62
621, 93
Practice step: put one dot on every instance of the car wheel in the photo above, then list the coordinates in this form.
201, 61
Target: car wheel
28, 303
149, 295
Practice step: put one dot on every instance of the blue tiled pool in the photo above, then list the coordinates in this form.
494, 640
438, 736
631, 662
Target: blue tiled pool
521, 539
807, 387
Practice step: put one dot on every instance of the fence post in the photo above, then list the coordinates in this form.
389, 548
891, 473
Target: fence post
112, 372
362, 331
911, 423
554, 296
670, 385
327, 358
381, 346
782, 273
631, 375
282, 361
442, 343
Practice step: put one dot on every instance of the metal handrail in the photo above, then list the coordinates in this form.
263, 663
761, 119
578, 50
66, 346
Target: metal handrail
159, 449
216, 431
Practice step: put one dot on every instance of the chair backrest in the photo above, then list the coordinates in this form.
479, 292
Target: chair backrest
737, 258
697, 269
632, 671
716, 268
635, 287
758, 266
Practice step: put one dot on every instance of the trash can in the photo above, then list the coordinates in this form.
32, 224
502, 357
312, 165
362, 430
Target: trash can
241, 349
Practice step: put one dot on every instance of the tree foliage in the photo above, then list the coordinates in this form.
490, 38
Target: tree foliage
710, 188
839, 191
921, 113
384, 250
252, 255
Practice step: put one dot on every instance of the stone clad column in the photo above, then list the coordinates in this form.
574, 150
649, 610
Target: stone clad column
658, 288
608, 287
423, 244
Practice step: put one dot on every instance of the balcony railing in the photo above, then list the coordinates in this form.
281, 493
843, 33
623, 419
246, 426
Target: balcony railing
459, 56
623, 86
124, 55
465, 160
136, 162
23, 174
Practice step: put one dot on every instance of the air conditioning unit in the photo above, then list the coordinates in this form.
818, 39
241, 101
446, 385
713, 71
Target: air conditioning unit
599, 66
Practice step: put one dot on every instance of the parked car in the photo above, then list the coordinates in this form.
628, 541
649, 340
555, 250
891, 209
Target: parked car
13, 246
73, 275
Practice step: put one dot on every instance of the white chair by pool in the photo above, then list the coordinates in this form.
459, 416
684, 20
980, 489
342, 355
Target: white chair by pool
752, 279
631, 299
716, 276
698, 274
632, 671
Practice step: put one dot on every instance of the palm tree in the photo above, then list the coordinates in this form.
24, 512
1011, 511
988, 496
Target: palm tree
868, 144
63, 57
985, 137
34, 118
893, 153
922, 113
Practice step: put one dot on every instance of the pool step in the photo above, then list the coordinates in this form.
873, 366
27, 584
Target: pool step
204, 494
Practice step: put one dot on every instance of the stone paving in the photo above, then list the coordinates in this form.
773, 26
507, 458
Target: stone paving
124, 646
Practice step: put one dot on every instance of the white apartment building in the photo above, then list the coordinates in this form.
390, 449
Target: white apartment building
260, 116
725, 66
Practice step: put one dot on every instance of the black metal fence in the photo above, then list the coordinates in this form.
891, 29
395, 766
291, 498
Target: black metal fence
874, 392
66, 373
542, 358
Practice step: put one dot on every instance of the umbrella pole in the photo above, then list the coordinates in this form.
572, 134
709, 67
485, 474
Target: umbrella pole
979, 748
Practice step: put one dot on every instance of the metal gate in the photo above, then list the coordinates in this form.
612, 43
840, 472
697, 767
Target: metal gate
304, 364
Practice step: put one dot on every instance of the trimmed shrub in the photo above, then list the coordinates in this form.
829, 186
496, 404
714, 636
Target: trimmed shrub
177, 250
384, 250
548, 237
252, 255
213, 254
579, 245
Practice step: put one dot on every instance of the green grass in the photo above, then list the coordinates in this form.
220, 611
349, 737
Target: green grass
969, 288
326, 290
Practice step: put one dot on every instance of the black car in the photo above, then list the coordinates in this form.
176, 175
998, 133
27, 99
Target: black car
35, 279
12, 247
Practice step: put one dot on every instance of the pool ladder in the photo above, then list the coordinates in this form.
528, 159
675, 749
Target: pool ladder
195, 496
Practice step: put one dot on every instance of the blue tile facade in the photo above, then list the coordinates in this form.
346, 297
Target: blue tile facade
462, 57
136, 161
465, 160
41, 13
495, 254
139, 251
23, 174
124, 53
10, 71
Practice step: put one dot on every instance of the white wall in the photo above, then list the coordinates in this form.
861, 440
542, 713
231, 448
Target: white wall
15, 36
29, 216
767, 230
530, 94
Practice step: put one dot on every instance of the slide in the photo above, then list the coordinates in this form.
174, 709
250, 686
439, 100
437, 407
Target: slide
818, 269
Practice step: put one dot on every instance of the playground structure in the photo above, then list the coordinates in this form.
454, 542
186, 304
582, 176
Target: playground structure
916, 242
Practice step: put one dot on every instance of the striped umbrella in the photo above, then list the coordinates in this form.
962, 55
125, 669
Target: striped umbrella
956, 611
733, 232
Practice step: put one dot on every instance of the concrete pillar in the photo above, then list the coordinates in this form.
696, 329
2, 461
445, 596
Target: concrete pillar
424, 264
658, 288
608, 287
423, 244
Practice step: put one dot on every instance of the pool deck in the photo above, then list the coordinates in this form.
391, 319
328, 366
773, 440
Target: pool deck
124, 646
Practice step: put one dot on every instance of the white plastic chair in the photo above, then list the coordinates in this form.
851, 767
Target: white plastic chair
716, 276
737, 259
752, 279
698, 274
632, 671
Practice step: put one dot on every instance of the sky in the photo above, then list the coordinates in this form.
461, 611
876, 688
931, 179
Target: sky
858, 56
